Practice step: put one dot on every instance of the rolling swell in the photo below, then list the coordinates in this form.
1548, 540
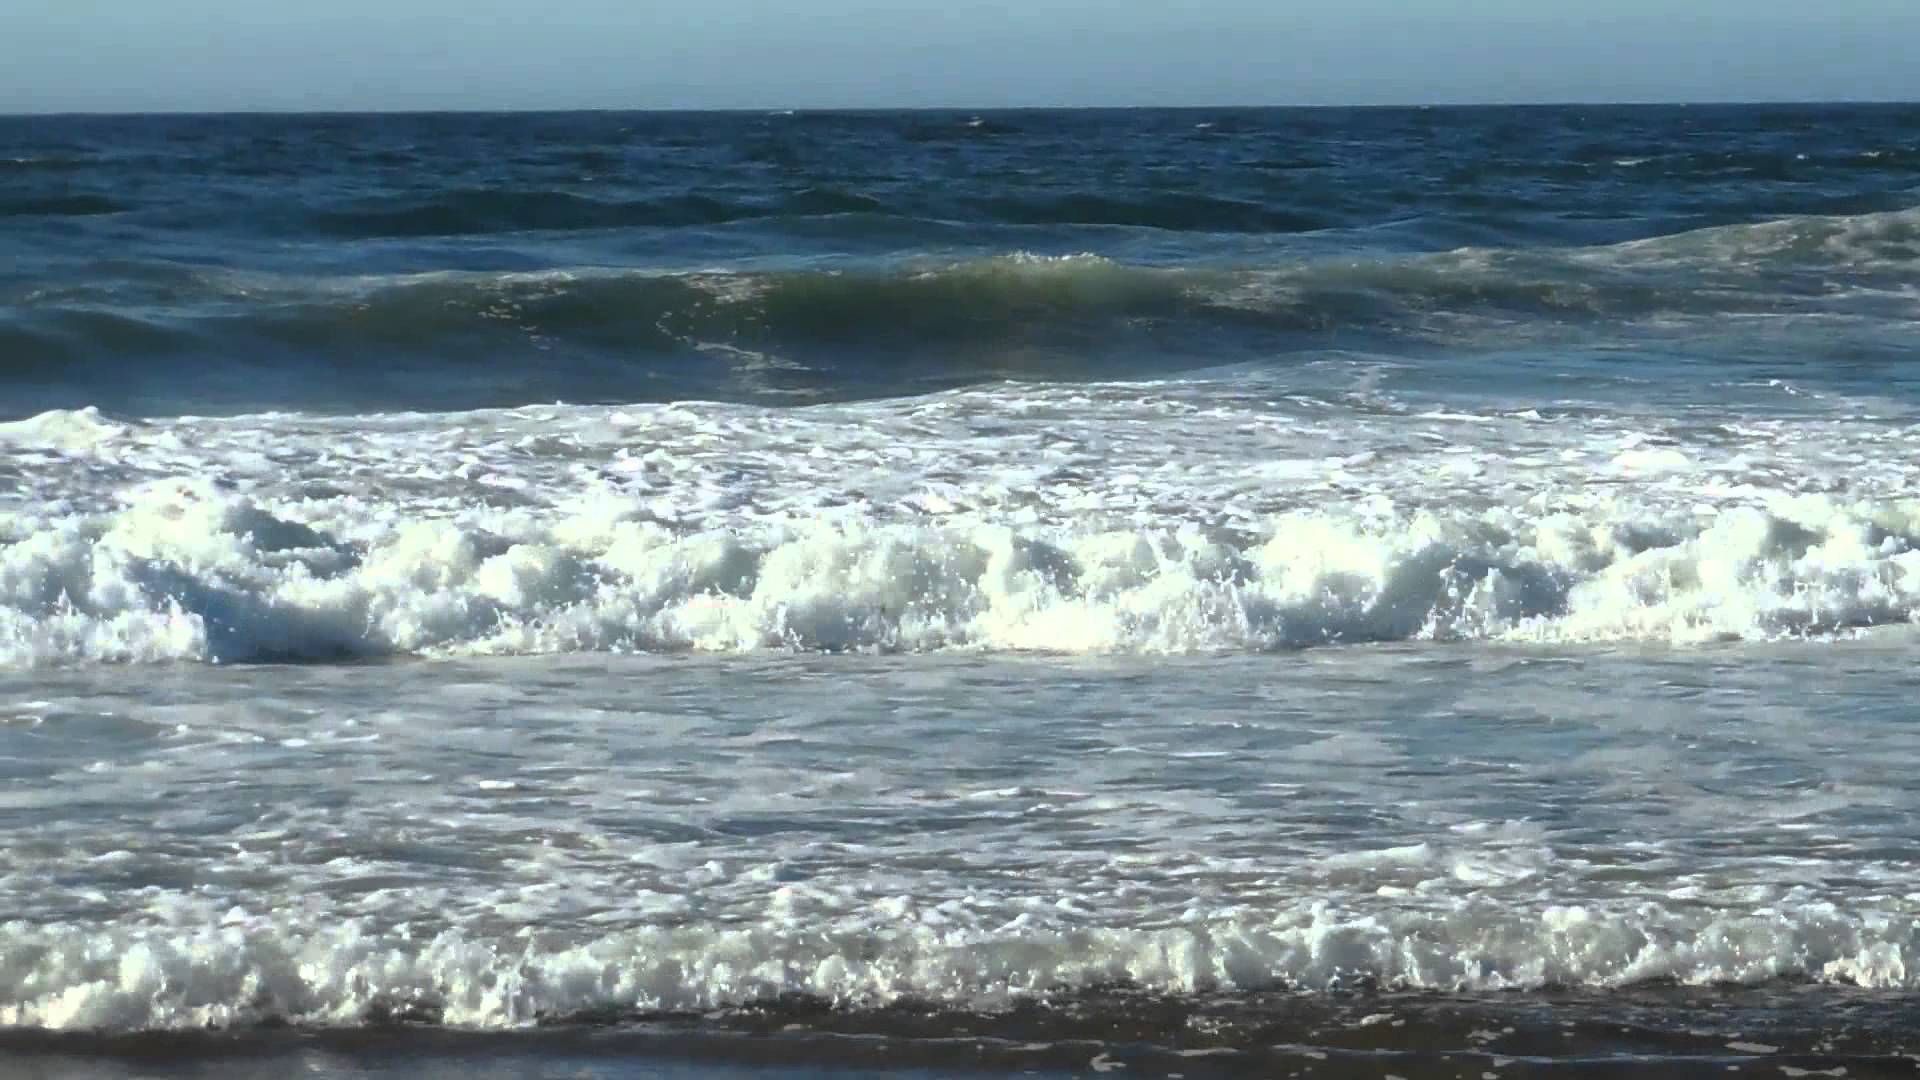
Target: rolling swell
477, 339
59, 206
453, 340
1179, 211
481, 211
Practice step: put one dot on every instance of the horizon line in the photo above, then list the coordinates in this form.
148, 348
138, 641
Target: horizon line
855, 109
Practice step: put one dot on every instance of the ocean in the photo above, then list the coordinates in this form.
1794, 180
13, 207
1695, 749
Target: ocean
1290, 592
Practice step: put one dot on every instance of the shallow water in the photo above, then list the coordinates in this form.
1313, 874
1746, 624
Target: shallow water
604, 840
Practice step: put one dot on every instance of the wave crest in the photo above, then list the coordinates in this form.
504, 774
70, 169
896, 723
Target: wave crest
189, 572
454, 340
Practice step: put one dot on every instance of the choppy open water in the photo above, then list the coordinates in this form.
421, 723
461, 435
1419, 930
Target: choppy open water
1347, 593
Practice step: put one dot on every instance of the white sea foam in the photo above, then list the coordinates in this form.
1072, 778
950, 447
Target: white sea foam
186, 572
494, 842
1115, 519
239, 968
64, 429
1882, 240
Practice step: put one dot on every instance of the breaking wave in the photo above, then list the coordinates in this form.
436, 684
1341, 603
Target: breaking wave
244, 969
189, 572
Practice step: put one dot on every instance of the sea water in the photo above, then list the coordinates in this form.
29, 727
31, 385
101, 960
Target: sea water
1336, 592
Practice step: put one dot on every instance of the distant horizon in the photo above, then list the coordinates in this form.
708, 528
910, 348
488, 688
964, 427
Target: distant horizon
1648, 103
130, 57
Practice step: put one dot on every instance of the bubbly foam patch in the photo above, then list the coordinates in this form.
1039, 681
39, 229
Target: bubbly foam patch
64, 429
186, 571
1165, 518
242, 969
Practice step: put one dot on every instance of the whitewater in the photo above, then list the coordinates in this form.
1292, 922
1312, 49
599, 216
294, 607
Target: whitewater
1118, 518
1265, 592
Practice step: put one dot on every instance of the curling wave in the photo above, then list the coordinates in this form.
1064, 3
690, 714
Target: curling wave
467, 340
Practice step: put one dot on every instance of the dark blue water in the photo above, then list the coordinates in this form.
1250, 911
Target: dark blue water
223, 263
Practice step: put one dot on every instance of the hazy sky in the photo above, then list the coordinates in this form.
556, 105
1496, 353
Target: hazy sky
60, 55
